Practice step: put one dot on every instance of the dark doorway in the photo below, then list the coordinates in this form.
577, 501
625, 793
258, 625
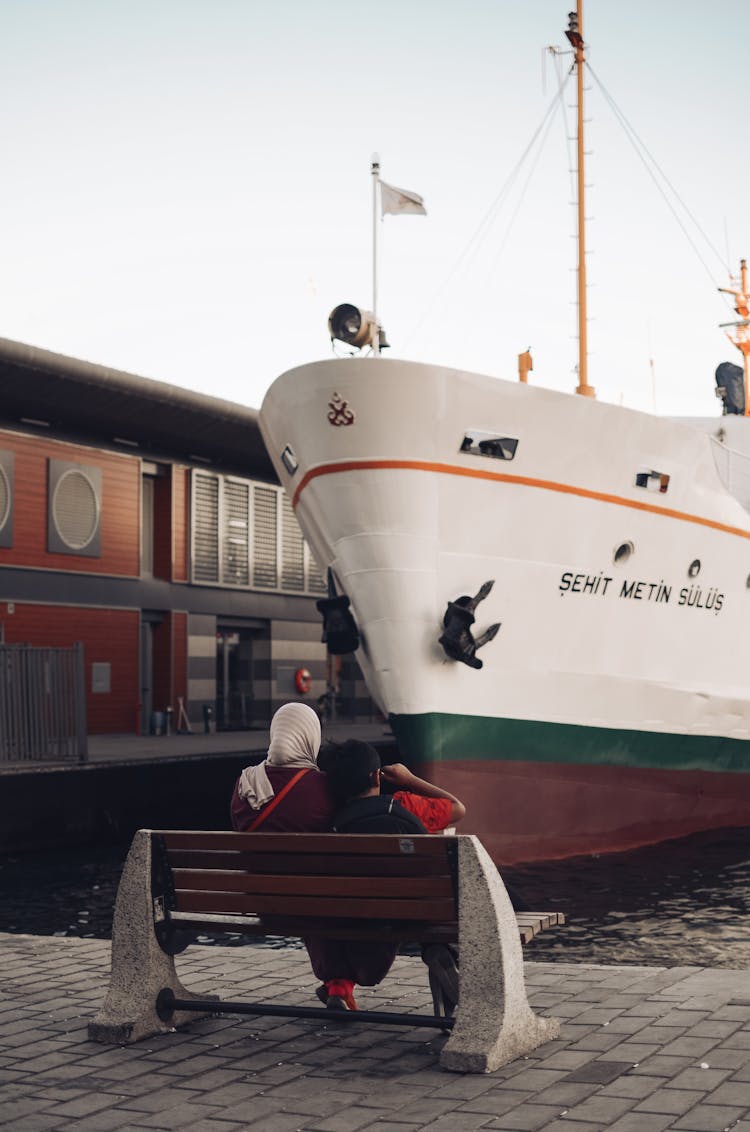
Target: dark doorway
234, 679
146, 674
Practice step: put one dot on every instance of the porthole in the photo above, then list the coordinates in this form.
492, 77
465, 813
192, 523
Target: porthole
694, 568
6, 497
75, 509
623, 552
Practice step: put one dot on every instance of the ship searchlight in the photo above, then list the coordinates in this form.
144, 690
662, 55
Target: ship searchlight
347, 323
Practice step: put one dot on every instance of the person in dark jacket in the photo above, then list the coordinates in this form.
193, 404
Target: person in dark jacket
354, 775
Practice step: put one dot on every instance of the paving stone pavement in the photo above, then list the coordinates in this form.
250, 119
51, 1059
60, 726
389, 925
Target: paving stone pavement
641, 1050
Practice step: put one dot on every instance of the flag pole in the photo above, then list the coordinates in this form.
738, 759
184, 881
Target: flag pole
375, 171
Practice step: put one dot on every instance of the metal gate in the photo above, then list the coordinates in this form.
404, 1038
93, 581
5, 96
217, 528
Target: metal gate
42, 704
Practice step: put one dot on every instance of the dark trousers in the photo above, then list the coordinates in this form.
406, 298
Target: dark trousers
363, 962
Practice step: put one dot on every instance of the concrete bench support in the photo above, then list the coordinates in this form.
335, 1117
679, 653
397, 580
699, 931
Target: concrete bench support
140, 969
494, 1022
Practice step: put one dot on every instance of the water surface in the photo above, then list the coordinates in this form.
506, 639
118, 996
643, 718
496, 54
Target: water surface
683, 902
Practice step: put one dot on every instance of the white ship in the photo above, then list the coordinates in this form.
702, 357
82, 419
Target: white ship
612, 706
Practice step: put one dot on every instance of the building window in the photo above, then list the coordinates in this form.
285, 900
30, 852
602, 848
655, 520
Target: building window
292, 549
246, 534
236, 524
147, 526
316, 582
74, 509
265, 537
205, 528
6, 499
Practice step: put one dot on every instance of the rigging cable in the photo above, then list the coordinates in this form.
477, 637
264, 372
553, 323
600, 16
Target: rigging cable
641, 149
524, 190
489, 217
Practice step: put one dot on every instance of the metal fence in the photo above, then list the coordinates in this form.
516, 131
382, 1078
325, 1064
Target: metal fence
42, 704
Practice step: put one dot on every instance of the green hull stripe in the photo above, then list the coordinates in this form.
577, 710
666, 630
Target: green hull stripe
435, 737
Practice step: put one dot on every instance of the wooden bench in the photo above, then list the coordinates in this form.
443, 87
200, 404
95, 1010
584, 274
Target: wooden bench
421, 889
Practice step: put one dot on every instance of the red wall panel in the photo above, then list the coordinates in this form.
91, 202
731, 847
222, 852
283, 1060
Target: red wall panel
120, 507
108, 635
180, 504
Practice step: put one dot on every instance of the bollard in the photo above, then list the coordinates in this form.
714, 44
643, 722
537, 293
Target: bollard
157, 722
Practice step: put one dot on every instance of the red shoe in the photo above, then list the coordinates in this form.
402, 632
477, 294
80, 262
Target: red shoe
340, 995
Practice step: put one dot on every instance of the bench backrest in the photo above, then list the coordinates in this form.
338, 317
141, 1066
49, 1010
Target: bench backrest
296, 876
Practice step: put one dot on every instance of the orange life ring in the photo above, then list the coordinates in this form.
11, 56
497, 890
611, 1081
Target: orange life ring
303, 680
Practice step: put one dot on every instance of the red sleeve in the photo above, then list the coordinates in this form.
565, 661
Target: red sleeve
434, 813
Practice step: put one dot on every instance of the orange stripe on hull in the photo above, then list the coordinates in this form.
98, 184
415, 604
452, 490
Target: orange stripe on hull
503, 477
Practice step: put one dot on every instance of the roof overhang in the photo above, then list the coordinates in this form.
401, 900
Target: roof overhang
78, 400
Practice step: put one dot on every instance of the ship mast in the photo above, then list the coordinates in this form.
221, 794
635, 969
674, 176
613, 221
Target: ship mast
574, 34
740, 334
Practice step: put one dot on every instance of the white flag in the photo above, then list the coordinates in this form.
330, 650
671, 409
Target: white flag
399, 200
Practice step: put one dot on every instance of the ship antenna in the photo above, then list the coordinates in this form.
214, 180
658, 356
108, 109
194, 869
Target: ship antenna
740, 333
574, 34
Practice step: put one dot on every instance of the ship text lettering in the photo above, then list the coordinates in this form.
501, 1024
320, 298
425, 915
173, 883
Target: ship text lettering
694, 597
584, 583
661, 592
646, 591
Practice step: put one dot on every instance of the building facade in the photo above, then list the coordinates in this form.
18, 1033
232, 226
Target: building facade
146, 523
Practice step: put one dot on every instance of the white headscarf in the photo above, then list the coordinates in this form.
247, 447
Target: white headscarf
295, 742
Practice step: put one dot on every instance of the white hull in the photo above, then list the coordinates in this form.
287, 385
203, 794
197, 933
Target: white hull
613, 707
417, 523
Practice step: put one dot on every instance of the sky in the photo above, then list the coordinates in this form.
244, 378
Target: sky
186, 188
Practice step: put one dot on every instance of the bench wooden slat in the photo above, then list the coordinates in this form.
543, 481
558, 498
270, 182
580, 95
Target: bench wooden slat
328, 929
335, 907
403, 931
530, 924
312, 865
544, 919
335, 886
338, 844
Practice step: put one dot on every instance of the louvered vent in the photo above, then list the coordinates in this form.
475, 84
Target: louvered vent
75, 509
205, 528
293, 549
316, 583
236, 547
265, 572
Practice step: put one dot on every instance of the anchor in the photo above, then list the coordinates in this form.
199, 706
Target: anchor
340, 631
457, 638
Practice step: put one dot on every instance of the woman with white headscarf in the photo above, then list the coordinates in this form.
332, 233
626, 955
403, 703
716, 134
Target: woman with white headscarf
286, 793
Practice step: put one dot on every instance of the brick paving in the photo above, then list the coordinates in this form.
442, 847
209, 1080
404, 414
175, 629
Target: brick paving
641, 1050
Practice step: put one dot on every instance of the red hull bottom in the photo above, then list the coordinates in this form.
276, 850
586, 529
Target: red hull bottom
538, 811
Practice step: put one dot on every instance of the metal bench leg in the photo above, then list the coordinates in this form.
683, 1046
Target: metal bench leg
140, 969
494, 1022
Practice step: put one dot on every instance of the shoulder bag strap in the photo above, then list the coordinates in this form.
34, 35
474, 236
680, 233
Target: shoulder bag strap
276, 799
